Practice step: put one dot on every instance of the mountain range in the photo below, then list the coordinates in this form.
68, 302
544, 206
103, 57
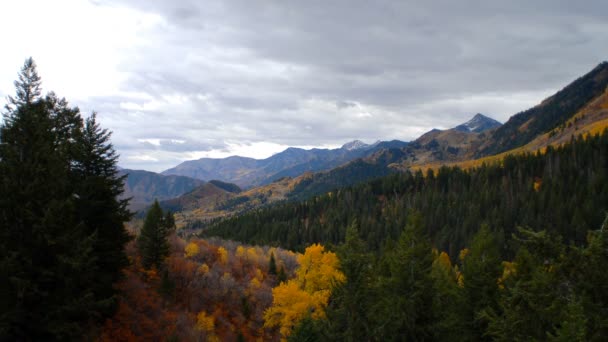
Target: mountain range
296, 174
292, 162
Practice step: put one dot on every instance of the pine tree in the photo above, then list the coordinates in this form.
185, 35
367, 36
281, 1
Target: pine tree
55, 252
27, 86
46, 258
481, 268
153, 241
406, 296
98, 188
272, 264
281, 276
350, 301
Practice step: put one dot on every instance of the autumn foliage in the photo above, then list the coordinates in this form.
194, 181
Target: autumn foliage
207, 290
308, 293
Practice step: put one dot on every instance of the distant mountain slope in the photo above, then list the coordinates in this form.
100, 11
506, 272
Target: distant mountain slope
248, 172
224, 169
527, 125
457, 146
563, 191
591, 119
144, 186
206, 195
479, 123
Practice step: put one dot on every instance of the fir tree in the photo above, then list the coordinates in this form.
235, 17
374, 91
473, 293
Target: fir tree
348, 311
153, 241
406, 298
281, 276
98, 188
272, 264
47, 259
61, 225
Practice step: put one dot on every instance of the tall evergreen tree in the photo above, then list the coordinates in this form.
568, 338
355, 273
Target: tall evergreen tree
27, 86
45, 252
98, 188
349, 308
49, 256
272, 265
404, 310
153, 241
481, 268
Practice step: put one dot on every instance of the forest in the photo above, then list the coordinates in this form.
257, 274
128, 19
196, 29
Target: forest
510, 251
563, 190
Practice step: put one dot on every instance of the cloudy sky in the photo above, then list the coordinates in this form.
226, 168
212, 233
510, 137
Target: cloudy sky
185, 79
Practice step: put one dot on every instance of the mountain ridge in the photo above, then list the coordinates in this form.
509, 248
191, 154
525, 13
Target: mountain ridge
292, 162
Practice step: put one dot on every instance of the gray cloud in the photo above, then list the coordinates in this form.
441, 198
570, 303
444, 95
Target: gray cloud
324, 72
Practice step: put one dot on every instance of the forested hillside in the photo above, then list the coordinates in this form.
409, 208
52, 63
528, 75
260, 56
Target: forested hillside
527, 125
564, 190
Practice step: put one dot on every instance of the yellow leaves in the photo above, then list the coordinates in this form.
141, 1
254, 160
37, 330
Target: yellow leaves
222, 255
255, 283
463, 254
318, 269
291, 304
205, 322
191, 250
258, 274
240, 252
203, 269
508, 269
443, 261
308, 293
252, 254
537, 183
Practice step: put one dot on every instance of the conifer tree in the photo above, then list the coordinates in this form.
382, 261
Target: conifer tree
153, 241
46, 257
406, 298
55, 285
98, 188
272, 264
481, 269
348, 311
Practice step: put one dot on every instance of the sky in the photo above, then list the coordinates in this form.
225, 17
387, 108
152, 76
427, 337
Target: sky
185, 79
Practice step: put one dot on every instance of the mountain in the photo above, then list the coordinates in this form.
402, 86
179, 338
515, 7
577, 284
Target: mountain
143, 187
292, 162
354, 145
205, 195
456, 146
479, 123
549, 114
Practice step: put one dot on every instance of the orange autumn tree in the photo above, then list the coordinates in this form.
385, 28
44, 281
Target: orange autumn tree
307, 294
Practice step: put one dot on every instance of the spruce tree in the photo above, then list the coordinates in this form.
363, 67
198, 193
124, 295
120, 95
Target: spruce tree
98, 188
272, 264
153, 241
404, 310
56, 284
481, 268
46, 256
349, 308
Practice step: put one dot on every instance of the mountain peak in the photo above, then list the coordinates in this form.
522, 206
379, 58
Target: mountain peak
354, 145
478, 124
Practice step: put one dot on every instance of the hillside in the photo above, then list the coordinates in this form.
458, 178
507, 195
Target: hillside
210, 201
563, 190
143, 187
458, 146
549, 114
591, 119
248, 172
